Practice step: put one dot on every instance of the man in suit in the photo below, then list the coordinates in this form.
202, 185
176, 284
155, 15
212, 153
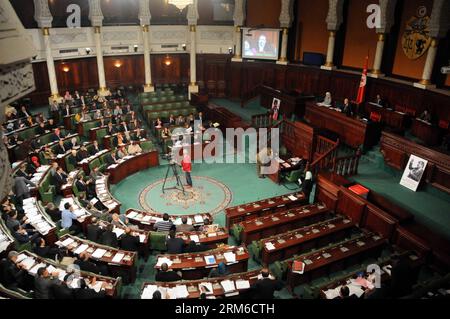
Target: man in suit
84, 292
13, 273
60, 178
94, 231
22, 171
45, 251
344, 293
174, 245
172, 120
110, 130
23, 235
85, 264
82, 153
265, 287
124, 127
41, 129
43, 283
24, 112
21, 186
184, 227
110, 158
402, 277
67, 111
61, 148
51, 125
57, 135
62, 289
95, 148
379, 100
347, 108
109, 238
128, 241
164, 275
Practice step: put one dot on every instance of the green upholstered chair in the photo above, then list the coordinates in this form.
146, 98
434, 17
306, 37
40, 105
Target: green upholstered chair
95, 163
158, 241
46, 190
147, 146
293, 176
255, 249
278, 269
236, 230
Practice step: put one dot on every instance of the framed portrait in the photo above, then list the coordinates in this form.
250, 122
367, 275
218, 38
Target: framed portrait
413, 172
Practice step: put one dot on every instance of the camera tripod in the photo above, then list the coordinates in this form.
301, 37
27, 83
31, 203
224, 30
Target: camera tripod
179, 186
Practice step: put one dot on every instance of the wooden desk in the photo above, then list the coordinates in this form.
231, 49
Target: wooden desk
339, 256
266, 226
85, 163
34, 262
38, 218
67, 188
93, 132
104, 195
127, 263
289, 103
132, 164
146, 220
289, 244
143, 235
264, 207
193, 285
396, 151
194, 266
209, 239
427, 132
351, 131
389, 117
107, 139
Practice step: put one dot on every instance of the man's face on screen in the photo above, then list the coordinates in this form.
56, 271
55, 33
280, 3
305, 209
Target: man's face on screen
262, 42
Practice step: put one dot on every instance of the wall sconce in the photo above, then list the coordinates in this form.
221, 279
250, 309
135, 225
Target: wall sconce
167, 60
117, 64
184, 46
230, 50
65, 67
135, 47
88, 51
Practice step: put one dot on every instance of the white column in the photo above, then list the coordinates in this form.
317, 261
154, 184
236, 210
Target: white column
238, 45
376, 71
103, 91
329, 65
284, 43
50, 67
148, 86
193, 87
428, 68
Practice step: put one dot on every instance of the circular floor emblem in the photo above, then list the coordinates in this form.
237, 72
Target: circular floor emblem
206, 196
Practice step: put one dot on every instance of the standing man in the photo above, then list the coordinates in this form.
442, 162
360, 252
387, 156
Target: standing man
187, 166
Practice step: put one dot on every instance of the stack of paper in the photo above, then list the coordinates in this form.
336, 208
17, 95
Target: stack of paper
242, 284
269, 246
228, 286
98, 253
118, 258
194, 238
230, 257
148, 291
180, 292
81, 249
163, 260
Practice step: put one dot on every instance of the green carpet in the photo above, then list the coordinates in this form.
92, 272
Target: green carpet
430, 206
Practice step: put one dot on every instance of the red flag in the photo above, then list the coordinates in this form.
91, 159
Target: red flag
362, 83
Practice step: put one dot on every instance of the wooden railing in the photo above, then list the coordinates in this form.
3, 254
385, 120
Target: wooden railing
348, 165
262, 120
250, 95
326, 160
323, 145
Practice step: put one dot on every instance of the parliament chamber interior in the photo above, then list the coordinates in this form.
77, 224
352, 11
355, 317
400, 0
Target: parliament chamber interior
225, 149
